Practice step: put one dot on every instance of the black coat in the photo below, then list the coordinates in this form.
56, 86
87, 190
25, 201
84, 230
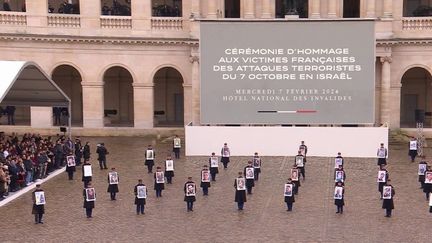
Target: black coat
112, 187
158, 186
388, 203
240, 195
87, 204
189, 198
139, 201
86, 152
102, 152
70, 168
37, 209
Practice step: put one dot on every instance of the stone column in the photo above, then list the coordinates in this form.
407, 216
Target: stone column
90, 12
388, 9
266, 13
395, 96
370, 13
188, 102
143, 105
93, 104
141, 14
194, 59
316, 9
385, 89
331, 9
212, 9
37, 12
249, 9
195, 8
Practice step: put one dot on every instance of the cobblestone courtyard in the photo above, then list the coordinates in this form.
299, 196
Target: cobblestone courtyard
215, 218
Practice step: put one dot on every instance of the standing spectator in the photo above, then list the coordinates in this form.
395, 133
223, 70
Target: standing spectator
3, 181
413, 146
225, 152
59, 154
57, 116
388, 202
10, 110
240, 194
113, 180
6, 6
78, 151
38, 205
190, 191
86, 151
102, 152
28, 165
140, 199
176, 146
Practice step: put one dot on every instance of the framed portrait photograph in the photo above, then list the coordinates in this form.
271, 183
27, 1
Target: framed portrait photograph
338, 161
382, 176
149, 154
169, 165
214, 162
413, 145
226, 153
90, 194
422, 169
113, 178
387, 192
177, 143
299, 161
250, 173
70, 161
294, 174
288, 190
381, 153
338, 192
256, 162
160, 177
141, 192
430, 199
241, 184
87, 170
428, 177
40, 198
190, 189
339, 176
205, 176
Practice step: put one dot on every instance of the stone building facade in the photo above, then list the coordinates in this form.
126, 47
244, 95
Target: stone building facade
136, 64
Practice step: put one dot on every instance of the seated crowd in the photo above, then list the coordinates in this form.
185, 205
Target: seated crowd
25, 160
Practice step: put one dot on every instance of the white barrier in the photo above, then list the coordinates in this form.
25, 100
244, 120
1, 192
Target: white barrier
284, 141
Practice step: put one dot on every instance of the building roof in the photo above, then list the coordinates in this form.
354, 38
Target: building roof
24, 83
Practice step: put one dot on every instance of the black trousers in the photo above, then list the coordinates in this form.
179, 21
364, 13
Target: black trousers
289, 206
140, 208
38, 218
340, 209
388, 212
89, 212
102, 164
113, 195
189, 206
70, 175
150, 168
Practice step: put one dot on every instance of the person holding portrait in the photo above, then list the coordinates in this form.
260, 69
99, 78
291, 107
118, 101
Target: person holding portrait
240, 193
38, 204
113, 180
388, 204
205, 180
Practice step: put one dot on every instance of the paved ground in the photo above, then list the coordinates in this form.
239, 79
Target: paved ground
215, 218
